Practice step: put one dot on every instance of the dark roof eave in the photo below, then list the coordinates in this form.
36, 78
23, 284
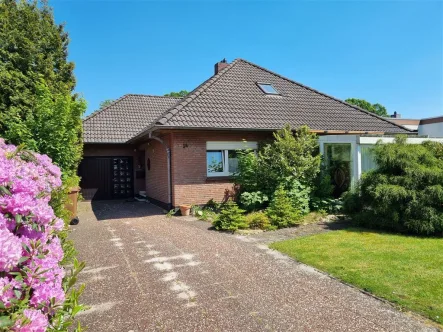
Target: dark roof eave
151, 129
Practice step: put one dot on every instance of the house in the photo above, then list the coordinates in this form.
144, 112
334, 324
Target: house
430, 127
184, 151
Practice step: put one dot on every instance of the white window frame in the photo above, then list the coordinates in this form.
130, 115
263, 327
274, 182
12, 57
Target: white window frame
225, 147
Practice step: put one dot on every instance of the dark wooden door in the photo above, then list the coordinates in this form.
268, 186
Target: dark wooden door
107, 177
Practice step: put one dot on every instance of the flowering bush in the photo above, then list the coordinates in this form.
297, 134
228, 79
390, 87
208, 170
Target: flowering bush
36, 293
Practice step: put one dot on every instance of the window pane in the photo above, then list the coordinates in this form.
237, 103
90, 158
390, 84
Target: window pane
367, 159
268, 88
339, 161
233, 161
214, 161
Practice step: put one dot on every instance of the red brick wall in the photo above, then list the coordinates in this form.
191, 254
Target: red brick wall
157, 176
190, 183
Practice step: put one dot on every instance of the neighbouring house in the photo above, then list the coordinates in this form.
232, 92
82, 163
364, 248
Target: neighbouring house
430, 127
183, 151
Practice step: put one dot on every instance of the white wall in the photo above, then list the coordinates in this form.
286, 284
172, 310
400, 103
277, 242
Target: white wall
431, 130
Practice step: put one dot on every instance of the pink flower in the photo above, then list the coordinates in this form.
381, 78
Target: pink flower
37, 322
42, 295
20, 203
58, 224
10, 250
7, 287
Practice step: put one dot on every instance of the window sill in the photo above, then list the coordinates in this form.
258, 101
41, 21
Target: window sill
227, 178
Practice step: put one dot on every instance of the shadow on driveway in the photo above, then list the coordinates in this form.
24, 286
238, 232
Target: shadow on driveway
122, 209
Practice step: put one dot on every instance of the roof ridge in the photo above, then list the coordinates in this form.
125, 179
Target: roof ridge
194, 94
321, 93
105, 108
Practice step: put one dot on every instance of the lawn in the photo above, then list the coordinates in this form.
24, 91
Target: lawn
405, 270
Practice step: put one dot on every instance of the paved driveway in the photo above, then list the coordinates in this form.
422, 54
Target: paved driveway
146, 272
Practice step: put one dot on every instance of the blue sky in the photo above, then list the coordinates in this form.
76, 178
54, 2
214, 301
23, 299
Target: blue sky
385, 52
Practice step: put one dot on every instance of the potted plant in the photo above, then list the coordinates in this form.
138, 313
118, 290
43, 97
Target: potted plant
185, 209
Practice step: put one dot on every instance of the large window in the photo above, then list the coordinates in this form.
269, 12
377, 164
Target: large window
222, 158
338, 158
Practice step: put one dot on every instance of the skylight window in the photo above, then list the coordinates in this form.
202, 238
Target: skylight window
268, 88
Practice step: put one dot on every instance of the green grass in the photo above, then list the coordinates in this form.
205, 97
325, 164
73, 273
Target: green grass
405, 270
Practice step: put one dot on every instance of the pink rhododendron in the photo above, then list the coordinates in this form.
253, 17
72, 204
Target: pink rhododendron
35, 321
10, 250
7, 287
28, 238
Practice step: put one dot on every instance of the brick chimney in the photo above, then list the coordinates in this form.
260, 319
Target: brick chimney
396, 115
220, 65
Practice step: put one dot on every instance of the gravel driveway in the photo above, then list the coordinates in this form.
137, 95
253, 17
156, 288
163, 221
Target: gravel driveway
146, 272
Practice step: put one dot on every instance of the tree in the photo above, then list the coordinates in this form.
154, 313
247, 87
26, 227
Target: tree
373, 108
106, 103
32, 47
54, 128
37, 106
180, 94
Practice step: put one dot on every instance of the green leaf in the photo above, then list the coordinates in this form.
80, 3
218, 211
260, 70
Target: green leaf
5, 322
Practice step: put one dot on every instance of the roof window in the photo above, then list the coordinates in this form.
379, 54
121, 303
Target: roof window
267, 88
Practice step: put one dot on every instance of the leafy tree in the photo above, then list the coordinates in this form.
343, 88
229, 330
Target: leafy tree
32, 47
179, 94
405, 192
106, 103
53, 128
373, 108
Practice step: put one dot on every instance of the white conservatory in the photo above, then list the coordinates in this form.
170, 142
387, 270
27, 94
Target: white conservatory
351, 155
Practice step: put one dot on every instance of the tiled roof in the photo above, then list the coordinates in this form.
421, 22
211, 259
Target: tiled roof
231, 99
124, 118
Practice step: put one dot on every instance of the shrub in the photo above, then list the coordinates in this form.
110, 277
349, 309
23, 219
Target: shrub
405, 192
36, 292
53, 128
259, 220
231, 218
299, 195
290, 159
281, 212
253, 200
329, 205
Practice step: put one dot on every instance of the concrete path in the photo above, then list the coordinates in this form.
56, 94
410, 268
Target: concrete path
146, 272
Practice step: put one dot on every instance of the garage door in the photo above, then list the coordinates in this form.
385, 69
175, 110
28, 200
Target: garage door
106, 177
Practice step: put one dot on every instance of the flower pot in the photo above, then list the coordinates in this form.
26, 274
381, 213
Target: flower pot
185, 210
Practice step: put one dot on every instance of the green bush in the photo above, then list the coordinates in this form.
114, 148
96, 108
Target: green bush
281, 211
259, 220
405, 192
291, 160
253, 200
53, 128
231, 218
299, 195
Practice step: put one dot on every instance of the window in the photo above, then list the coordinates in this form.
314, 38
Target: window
338, 159
267, 88
367, 158
222, 157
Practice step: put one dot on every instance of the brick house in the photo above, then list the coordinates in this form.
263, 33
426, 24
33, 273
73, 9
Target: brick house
184, 150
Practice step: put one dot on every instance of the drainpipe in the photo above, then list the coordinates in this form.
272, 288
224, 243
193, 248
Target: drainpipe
168, 157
